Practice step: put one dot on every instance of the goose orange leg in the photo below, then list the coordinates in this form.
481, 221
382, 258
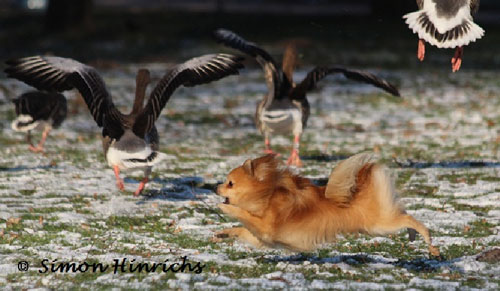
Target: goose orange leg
142, 184
421, 50
39, 148
456, 61
268, 149
119, 181
294, 159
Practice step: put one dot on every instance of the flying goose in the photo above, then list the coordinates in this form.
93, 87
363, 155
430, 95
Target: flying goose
129, 140
285, 109
445, 24
39, 110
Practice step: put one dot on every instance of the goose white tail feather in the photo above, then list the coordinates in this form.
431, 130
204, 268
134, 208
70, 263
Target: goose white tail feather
149, 161
24, 123
129, 160
473, 31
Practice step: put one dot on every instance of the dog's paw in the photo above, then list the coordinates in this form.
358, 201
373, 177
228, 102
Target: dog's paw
434, 251
226, 233
223, 233
228, 209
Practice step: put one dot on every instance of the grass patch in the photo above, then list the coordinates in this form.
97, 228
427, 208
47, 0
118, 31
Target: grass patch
27, 192
238, 272
479, 228
404, 177
419, 190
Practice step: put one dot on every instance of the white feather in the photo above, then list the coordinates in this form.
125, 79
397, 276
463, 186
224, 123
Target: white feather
16, 123
282, 121
443, 24
134, 164
122, 159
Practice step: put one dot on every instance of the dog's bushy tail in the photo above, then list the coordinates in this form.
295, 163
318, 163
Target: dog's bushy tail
343, 184
351, 175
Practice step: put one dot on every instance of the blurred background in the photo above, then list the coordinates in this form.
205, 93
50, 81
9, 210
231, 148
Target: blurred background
364, 33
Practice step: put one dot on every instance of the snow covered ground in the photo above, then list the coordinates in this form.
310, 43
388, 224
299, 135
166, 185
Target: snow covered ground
442, 142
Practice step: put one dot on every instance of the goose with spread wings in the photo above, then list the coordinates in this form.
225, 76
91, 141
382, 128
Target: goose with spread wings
285, 109
129, 140
39, 110
445, 24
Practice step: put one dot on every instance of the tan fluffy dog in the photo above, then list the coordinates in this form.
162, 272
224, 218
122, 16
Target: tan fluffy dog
280, 209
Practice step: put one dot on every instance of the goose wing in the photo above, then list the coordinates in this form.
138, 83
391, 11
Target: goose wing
271, 71
61, 74
193, 72
319, 73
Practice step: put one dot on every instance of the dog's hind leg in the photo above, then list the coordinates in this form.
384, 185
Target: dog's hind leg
407, 221
242, 234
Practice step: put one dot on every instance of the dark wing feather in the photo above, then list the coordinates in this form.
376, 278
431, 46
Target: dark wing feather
271, 71
60, 110
321, 72
474, 6
61, 74
194, 72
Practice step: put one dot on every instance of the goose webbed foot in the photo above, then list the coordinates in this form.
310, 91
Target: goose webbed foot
119, 184
421, 50
119, 181
294, 159
268, 150
142, 184
271, 152
37, 149
456, 61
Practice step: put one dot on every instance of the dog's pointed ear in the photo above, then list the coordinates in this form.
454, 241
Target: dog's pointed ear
265, 167
248, 167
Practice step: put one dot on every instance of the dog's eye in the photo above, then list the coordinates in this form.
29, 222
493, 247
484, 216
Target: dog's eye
230, 184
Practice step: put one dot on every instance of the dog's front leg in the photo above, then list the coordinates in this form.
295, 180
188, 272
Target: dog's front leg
242, 215
255, 224
231, 210
242, 234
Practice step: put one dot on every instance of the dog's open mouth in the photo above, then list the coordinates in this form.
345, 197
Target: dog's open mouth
226, 201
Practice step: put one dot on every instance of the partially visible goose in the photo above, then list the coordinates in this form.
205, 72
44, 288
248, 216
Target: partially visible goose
129, 140
285, 109
445, 24
39, 110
